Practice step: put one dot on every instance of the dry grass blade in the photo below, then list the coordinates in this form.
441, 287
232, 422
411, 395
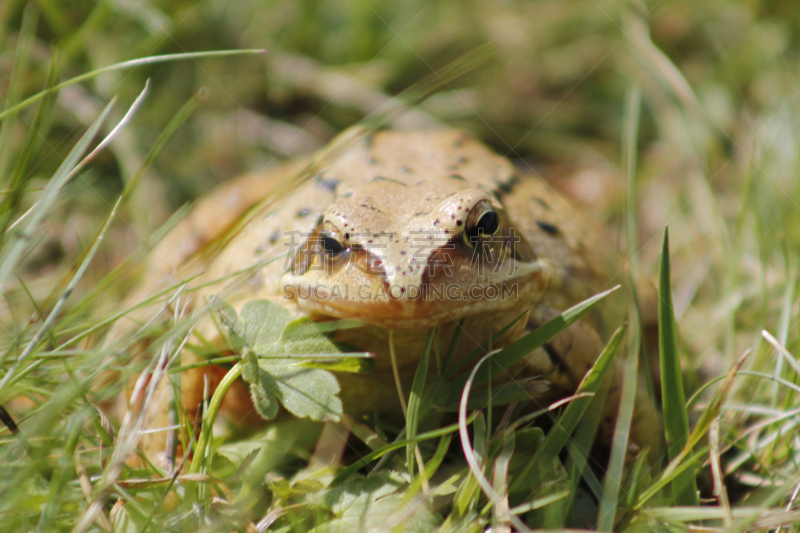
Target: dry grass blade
469, 452
720, 490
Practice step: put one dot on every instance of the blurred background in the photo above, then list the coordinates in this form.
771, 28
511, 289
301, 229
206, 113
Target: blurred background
716, 145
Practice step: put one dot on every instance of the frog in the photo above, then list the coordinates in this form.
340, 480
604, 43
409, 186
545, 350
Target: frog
404, 231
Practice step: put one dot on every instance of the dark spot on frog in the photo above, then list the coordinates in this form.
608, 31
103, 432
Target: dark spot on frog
303, 213
452, 167
458, 177
462, 160
452, 216
384, 178
372, 161
275, 236
507, 186
554, 356
541, 202
548, 228
462, 137
405, 170
403, 252
347, 195
458, 222
436, 222
329, 185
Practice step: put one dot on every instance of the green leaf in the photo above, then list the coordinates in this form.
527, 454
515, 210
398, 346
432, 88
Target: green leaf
676, 421
274, 378
369, 503
281, 443
304, 392
305, 326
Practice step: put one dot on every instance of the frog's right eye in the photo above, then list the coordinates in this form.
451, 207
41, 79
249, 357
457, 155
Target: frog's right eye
331, 245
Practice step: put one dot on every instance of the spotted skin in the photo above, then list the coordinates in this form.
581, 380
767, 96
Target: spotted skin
396, 207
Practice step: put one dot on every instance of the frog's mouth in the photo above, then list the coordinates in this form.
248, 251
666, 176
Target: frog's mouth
427, 300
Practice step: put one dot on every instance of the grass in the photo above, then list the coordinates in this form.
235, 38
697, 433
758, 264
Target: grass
673, 113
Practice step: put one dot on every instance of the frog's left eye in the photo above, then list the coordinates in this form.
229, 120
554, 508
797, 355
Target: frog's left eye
331, 244
483, 221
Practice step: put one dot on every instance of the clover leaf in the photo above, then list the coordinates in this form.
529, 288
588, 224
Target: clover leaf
276, 368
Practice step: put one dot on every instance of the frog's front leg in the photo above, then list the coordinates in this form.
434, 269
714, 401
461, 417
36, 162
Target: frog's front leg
564, 362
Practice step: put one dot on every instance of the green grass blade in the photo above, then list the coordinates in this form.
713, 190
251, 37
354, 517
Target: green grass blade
451, 350
21, 56
535, 339
61, 475
676, 421
562, 429
345, 473
10, 256
619, 445
133, 63
54, 314
431, 466
172, 126
8, 260
415, 401
37, 132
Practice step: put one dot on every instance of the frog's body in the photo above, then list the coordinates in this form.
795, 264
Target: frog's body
388, 230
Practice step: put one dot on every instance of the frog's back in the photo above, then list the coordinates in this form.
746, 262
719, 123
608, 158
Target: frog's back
581, 260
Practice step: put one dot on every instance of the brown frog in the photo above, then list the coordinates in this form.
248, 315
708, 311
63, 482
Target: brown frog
404, 231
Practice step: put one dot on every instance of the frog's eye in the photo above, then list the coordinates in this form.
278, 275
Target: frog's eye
483, 221
331, 245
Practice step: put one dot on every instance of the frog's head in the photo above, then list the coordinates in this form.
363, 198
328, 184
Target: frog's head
417, 250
